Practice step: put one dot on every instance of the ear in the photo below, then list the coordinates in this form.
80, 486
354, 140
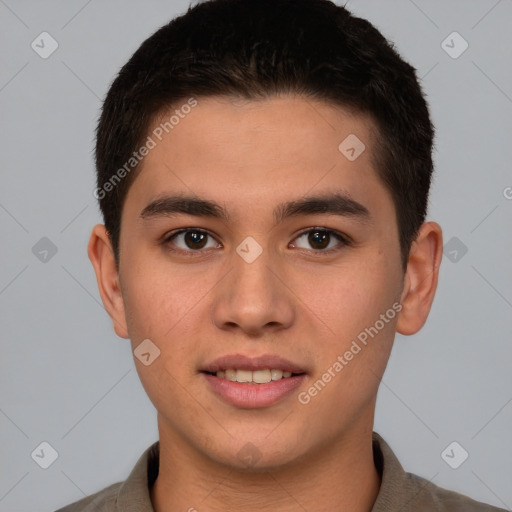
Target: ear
101, 254
421, 278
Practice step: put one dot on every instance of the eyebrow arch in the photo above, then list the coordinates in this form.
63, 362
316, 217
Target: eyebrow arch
331, 204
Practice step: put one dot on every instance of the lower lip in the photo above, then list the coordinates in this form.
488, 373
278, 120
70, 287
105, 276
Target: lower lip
254, 396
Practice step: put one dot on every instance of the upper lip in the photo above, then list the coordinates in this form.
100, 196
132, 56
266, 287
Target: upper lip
243, 362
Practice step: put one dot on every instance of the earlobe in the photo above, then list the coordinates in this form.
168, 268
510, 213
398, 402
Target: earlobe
101, 254
421, 278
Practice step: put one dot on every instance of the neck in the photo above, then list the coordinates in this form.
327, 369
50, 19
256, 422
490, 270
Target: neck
341, 476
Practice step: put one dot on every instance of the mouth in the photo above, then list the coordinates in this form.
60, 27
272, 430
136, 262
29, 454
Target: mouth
250, 383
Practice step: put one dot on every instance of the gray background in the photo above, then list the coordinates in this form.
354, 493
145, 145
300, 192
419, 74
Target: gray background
66, 378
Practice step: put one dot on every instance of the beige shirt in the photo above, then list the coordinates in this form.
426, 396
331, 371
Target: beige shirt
399, 491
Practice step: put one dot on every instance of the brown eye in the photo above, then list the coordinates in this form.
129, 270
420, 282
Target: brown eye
195, 239
189, 240
321, 240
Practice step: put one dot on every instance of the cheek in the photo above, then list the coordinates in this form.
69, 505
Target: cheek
156, 298
160, 308
164, 305
358, 309
352, 298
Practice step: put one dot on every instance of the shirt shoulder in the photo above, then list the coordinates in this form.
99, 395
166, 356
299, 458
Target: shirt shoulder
132, 495
401, 491
431, 497
102, 501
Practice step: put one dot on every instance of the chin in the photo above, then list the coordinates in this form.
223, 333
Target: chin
257, 455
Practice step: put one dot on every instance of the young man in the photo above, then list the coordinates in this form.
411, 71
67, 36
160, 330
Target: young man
263, 172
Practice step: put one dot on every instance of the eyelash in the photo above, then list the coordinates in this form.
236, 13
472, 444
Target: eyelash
344, 239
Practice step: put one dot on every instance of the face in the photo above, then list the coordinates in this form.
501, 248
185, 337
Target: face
293, 265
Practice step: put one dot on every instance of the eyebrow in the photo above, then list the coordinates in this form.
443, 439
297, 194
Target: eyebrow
331, 204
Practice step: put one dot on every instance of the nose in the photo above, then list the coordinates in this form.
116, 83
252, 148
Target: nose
253, 297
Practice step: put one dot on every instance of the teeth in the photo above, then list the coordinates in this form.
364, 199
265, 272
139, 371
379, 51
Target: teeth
243, 376
230, 375
256, 377
276, 374
261, 376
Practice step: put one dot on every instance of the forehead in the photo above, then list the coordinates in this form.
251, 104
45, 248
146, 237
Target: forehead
229, 128
249, 151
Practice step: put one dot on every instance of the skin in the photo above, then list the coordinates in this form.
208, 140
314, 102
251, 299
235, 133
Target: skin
294, 301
